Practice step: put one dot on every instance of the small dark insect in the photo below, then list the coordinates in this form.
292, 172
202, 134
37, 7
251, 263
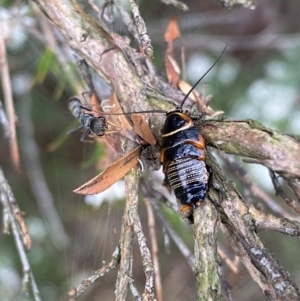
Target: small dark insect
182, 155
93, 125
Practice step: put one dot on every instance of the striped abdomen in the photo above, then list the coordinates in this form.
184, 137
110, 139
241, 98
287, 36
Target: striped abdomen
188, 178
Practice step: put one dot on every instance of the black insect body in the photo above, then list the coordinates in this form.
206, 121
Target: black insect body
182, 156
93, 125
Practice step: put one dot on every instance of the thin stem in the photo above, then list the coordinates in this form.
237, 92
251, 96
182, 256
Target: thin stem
9, 202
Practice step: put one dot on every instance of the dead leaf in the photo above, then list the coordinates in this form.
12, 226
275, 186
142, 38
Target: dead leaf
172, 70
94, 103
120, 120
185, 88
111, 175
172, 33
141, 127
200, 100
201, 105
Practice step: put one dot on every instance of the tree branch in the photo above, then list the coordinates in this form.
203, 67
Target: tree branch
239, 227
86, 283
206, 257
250, 139
13, 220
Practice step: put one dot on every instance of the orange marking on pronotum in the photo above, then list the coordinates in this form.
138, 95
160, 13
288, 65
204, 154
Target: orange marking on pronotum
185, 208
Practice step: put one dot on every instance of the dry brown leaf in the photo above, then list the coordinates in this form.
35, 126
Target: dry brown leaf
217, 113
185, 88
201, 105
119, 120
172, 33
141, 127
172, 68
111, 174
94, 103
199, 100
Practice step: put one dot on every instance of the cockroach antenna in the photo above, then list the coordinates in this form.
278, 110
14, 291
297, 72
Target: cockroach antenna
199, 80
155, 111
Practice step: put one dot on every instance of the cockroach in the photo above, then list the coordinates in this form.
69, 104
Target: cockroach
92, 124
182, 155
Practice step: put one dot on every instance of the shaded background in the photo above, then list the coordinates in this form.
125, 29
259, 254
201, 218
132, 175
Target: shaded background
257, 78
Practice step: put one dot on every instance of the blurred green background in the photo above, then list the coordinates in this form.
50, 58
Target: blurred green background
257, 78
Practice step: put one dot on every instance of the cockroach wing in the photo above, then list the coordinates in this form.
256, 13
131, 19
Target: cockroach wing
111, 175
